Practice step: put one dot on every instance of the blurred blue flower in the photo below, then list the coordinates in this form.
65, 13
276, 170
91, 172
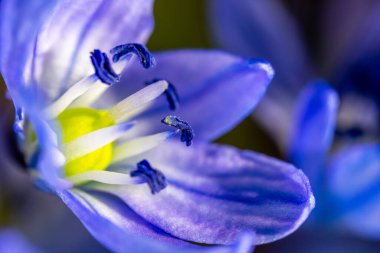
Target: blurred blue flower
331, 133
94, 130
11, 241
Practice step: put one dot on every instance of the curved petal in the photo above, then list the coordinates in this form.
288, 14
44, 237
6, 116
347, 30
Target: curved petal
314, 128
354, 185
19, 25
86, 25
217, 90
13, 241
262, 29
265, 29
216, 192
126, 230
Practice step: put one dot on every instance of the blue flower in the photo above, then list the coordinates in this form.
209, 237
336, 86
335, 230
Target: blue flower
12, 241
330, 132
95, 134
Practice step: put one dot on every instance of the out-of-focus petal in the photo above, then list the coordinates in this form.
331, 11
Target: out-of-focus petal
313, 129
214, 193
354, 175
265, 29
126, 231
216, 90
262, 29
356, 32
19, 25
86, 25
11, 241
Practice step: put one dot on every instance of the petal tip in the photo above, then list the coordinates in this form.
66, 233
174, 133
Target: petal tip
263, 65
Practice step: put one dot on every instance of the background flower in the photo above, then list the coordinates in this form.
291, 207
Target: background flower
336, 40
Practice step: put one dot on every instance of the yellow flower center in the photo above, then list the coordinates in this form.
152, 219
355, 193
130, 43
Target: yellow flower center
76, 122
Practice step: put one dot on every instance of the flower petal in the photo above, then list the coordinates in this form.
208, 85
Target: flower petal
126, 230
86, 25
262, 29
13, 241
216, 192
357, 32
314, 128
206, 80
265, 29
354, 185
19, 25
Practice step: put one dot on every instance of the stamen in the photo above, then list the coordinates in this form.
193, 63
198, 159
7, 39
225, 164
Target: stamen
187, 133
154, 178
103, 68
122, 52
129, 106
171, 94
70, 95
88, 143
90, 96
106, 177
139, 145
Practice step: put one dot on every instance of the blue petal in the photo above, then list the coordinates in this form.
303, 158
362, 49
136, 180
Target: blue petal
355, 187
19, 25
86, 25
264, 29
13, 241
125, 230
314, 128
216, 90
214, 193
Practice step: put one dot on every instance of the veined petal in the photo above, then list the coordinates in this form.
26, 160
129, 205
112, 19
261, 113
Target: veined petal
355, 188
205, 81
313, 129
126, 230
20, 23
86, 25
216, 192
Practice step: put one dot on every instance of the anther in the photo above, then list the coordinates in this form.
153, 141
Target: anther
187, 133
154, 178
171, 94
121, 52
103, 68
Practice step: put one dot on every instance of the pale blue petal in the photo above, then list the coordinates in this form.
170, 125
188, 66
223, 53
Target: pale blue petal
217, 90
19, 25
313, 129
214, 193
120, 229
11, 241
85, 26
354, 183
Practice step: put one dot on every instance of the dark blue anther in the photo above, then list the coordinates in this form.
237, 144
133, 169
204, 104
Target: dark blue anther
154, 178
103, 68
171, 94
123, 51
187, 133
